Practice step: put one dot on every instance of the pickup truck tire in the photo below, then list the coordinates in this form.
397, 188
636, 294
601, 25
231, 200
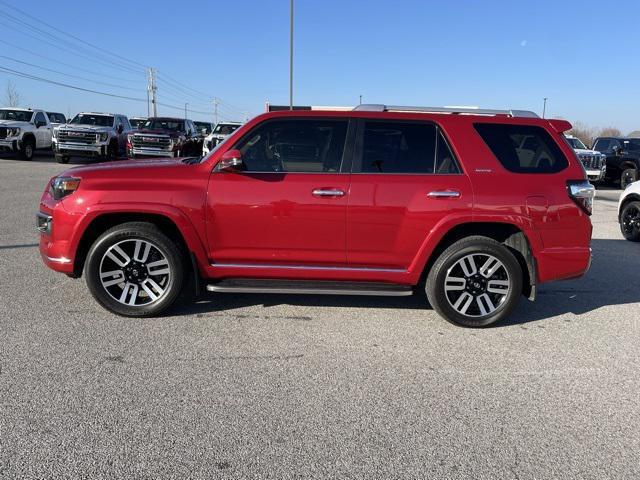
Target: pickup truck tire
62, 158
475, 282
27, 148
628, 176
112, 151
630, 221
134, 270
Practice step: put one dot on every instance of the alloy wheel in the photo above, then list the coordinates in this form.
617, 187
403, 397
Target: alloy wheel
477, 285
135, 272
631, 221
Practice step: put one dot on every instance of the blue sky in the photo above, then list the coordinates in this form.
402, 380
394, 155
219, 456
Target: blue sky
493, 54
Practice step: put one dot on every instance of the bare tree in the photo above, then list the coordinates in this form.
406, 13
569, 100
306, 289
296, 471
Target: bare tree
584, 132
609, 132
11, 95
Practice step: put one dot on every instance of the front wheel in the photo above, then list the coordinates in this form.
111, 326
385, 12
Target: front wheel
27, 150
134, 270
475, 282
628, 176
630, 221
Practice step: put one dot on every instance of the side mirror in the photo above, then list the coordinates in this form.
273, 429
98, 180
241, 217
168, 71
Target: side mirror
120, 128
231, 161
41, 124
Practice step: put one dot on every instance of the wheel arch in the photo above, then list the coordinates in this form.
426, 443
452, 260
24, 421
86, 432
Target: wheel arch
508, 234
632, 197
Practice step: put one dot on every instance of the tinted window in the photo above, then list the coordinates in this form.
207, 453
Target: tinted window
91, 119
295, 146
394, 147
602, 145
56, 117
39, 118
165, 124
523, 148
16, 115
445, 161
125, 123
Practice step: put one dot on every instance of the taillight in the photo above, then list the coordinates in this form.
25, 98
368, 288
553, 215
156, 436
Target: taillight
582, 193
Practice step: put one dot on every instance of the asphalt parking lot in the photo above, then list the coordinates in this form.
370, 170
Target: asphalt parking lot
256, 386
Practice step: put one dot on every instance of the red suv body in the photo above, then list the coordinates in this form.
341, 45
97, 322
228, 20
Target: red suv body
482, 206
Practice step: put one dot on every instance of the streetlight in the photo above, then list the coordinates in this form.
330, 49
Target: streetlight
544, 106
291, 55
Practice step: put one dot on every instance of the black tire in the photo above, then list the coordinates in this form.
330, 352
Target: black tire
630, 221
62, 158
27, 149
112, 152
448, 261
627, 177
162, 247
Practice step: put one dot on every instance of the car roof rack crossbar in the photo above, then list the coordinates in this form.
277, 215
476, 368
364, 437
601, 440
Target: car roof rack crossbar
449, 110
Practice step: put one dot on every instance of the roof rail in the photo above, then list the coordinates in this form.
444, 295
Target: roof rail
449, 110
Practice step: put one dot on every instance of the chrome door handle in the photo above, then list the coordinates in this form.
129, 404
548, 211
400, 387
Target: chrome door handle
327, 192
444, 194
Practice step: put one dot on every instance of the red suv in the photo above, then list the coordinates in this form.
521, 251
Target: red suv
475, 206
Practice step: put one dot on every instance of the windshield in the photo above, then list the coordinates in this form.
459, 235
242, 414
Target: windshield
16, 115
576, 143
203, 126
632, 145
90, 119
225, 128
135, 123
158, 124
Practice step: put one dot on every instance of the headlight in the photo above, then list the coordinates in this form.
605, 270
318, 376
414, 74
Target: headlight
103, 136
13, 132
60, 187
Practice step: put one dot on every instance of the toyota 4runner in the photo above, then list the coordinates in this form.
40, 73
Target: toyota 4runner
476, 207
97, 135
23, 130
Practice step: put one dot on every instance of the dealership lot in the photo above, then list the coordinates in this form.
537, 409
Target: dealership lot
242, 386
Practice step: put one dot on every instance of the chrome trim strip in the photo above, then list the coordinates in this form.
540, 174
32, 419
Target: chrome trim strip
444, 194
58, 259
307, 267
311, 291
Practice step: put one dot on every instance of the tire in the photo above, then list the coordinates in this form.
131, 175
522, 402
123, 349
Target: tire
139, 275
462, 294
27, 149
628, 176
112, 152
630, 221
62, 159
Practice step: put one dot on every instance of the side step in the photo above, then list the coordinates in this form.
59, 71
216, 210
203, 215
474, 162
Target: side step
309, 287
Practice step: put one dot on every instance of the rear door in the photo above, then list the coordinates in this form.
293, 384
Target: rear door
288, 206
405, 179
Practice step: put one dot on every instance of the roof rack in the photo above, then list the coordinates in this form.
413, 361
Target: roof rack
449, 110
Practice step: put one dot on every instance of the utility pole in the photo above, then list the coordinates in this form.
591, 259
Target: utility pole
152, 89
215, 110
185, 110
291, 55
360, 99
544, 107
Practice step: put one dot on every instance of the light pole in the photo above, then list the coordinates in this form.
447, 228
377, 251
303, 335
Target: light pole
185, 110
291, 55
544, 107
360, 99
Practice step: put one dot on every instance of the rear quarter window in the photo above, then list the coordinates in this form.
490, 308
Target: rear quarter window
523, 148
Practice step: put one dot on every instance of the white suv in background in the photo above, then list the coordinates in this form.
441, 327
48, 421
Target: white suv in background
222, 131
23, 130
629, 212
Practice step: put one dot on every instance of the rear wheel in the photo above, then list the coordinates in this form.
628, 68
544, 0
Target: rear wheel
134, 270
475, 282
628, 176
27, 149
630, 221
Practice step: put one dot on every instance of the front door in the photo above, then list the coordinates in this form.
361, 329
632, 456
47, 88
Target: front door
287, 206
405, 180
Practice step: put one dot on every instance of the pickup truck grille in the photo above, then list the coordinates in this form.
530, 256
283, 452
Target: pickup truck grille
70, 136
592, 161
3, 132
151, 142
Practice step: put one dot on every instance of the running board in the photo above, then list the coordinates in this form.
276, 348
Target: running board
308, 287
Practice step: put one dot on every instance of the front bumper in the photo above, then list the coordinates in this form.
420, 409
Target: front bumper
9, 145
81, 150
151, 152
595, 175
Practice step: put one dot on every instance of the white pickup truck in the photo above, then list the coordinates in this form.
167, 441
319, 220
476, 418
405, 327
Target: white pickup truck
23, 131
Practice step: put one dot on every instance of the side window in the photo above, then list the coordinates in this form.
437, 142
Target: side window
125, 122
301, 145
615, 144
445, 161
395, 147
39, 118
523, 148
602, 145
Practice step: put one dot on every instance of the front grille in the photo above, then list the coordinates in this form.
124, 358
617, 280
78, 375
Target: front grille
151, 142
3, 132
76, 136
591, 161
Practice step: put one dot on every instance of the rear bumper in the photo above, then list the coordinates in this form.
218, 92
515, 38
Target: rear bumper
562, 263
